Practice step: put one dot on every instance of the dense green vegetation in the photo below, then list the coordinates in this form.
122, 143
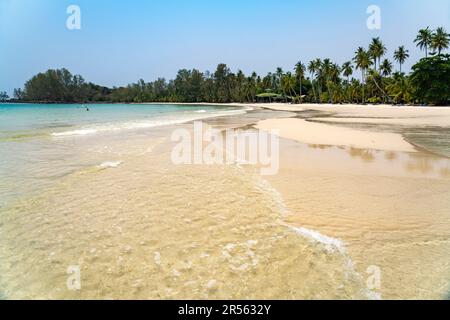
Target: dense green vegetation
423, 79
3, 96
320, 81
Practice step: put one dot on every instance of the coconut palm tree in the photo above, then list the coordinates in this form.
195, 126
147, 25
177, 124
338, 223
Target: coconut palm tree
362, 61
377, 50
278, 79
401, 55
279, 76
288, 84
400, 89
424, 40
386, 68
300, 74
347, 70
440, 40
313, 68
319, 76
326, 72
334, 84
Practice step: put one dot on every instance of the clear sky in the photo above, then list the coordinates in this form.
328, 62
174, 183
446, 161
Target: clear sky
122, 41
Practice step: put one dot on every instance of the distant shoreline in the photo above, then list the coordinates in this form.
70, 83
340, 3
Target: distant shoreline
234, 104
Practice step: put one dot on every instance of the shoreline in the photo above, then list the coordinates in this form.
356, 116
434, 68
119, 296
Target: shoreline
272, 106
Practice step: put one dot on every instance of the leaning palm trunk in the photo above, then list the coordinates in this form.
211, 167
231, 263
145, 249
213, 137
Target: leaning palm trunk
293, 93
382, 91
330, 97
363, 87
319, 88
314, 91
301, 97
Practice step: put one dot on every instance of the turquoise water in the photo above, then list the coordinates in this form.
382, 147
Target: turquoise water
19, 121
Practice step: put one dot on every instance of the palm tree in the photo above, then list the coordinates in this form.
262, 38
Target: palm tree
319, 75
377, 50
401, 55
288, 84
279, 76
386, 68
326, 69
334, 73
300, 74
399, 88
347, 70
424, 40
313, 68
440, 40
363, 62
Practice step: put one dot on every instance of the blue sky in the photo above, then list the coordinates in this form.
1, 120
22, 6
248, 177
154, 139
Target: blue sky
122, 41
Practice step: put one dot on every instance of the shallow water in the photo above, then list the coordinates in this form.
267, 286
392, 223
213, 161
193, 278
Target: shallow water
41, 143
140, 227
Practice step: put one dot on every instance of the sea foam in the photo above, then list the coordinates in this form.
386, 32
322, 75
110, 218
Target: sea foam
330, 244
110, 164
146, 124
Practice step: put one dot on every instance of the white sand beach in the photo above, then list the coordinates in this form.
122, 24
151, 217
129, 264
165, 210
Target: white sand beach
327, 130
379, 114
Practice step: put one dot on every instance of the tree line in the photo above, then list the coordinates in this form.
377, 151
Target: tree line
369, 77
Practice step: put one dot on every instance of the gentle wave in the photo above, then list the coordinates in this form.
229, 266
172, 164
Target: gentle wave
330, 244
80, 132
110, 164
133, 125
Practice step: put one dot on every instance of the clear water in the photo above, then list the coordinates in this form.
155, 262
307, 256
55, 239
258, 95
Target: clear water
94, 190
40, 143
18, 121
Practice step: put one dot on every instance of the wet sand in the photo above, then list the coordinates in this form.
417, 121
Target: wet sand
390, 210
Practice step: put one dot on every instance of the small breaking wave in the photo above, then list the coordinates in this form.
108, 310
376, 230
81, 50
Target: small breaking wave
110, 164
146, 124
81, 132
330, 244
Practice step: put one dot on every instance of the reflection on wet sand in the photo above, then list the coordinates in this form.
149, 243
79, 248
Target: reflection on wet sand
365, 155
445, 172
421, 164
391, 155
390, 209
